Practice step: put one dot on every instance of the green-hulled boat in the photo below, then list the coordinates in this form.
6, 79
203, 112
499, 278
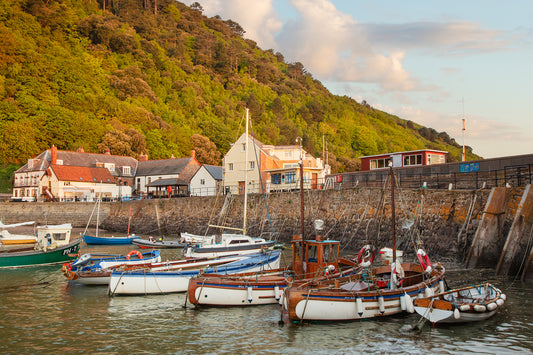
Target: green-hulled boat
53, 246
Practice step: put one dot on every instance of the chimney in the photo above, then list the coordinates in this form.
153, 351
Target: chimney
143, 157
80, 150
53, 155
107, 152
193, 154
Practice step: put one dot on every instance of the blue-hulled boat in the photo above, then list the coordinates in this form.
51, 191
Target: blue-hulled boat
109, 240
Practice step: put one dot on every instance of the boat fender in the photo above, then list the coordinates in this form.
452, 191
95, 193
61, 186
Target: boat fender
503, 296
250, 299
441, 286
409, 303
464, 307
428, 292
480, 308
330, 269
134, 252
499, 302
276, 293
403, 307
381, 303
397, 274
424, 260
456, 313
360, 307
83, 260
366, 255
492, 306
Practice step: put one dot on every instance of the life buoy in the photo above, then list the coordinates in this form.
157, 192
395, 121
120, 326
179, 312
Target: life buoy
366, 255
330, 269
134, 252
424, 260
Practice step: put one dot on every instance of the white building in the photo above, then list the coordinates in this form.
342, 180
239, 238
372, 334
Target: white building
207, 181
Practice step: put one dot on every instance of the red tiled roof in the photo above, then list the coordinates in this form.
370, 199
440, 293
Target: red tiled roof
83, 174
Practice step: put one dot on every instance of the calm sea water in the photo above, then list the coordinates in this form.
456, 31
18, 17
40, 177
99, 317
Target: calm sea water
42, 313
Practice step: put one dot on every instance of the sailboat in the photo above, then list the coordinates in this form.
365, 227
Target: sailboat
7, 238
383, 291
233, 243
99, 240
312, 260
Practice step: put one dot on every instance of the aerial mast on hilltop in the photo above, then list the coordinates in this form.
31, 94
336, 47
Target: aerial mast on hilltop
464, 154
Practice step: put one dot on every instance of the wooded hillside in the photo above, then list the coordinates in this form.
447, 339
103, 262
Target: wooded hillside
138, 76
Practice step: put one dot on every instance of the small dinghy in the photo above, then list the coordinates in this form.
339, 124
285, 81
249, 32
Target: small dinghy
152, 243
467, 304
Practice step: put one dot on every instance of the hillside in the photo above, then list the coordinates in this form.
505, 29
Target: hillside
152, 76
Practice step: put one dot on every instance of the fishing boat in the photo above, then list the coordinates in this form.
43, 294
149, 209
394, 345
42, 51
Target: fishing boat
311, 260
95, 269
467, 304
232, 243
8, 238
53, 246
152, 243
144, 282
377, 292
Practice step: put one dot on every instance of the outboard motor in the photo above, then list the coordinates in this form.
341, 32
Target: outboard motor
82, 260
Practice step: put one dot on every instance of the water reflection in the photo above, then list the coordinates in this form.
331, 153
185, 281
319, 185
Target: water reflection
40, 312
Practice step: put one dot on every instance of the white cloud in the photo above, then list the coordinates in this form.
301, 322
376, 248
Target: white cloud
257, 17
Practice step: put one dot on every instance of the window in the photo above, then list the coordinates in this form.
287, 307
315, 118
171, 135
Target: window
244, 147
149, 180
379, 163
252, 165
110, 166
230, 167
409, 160
126, 170
275, 179
202, 181
436, 159
290, 177
138, 182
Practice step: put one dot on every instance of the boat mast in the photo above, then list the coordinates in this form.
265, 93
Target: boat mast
302, 218
245, 175
393, 212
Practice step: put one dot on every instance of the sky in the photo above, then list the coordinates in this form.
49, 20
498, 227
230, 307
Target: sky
431, 62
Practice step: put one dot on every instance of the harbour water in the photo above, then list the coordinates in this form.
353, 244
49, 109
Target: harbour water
42, 313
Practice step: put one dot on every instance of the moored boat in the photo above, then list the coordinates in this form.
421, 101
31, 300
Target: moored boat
467, 304
143, 282
98, 240
152, 243
95, 269
8, 238
53, 246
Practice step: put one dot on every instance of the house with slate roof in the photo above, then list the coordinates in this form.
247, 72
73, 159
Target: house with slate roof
165, 177
28, 180
207, 181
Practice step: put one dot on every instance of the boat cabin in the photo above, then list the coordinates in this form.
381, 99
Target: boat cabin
53, 236
317, 256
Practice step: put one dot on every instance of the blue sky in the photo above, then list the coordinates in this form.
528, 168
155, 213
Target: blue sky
416, 59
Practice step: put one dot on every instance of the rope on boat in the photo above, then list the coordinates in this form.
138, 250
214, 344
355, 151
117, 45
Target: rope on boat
305, 306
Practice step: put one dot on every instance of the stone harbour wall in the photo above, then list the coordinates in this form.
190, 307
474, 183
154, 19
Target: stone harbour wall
431, 219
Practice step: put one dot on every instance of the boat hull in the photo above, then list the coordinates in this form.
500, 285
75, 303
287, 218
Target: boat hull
215, 251
467, 304
146, 244
39, 257
141, 283
107, 240
337, 304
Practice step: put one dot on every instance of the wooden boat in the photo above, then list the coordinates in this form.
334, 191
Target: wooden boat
95, 269
7, 238
321, 259
383, 291
53, 246
467, 304
160, 282
98, 240
152, 243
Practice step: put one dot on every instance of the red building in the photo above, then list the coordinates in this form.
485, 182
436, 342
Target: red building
403, 159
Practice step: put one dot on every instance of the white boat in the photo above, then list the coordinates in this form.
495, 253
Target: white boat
467, 304
232, 243
7, 238
162, 282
